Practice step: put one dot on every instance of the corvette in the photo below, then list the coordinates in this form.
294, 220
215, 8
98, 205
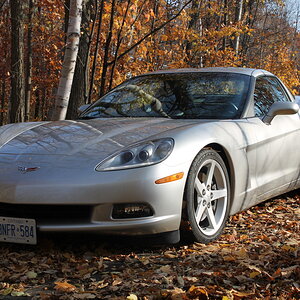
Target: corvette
185, 145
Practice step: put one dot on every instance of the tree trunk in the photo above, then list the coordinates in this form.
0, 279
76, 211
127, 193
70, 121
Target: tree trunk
119, 41
106, 49
238, 18
89, 100
251, 20
17, 61
29, 63
225, 23
261, 48
66, 17
192, 25
37, 106
2, 102
68, 68
79, 87
44, 108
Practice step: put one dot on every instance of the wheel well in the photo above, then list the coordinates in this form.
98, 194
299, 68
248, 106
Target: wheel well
228, 163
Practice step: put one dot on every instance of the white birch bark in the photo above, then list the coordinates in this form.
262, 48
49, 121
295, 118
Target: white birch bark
69, 63
238, 18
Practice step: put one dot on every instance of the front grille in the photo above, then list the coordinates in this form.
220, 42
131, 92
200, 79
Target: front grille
47, 213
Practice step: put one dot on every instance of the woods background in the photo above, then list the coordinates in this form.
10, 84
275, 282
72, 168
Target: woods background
123, 38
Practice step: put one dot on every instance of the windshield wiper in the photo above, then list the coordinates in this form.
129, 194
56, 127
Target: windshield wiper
87, 118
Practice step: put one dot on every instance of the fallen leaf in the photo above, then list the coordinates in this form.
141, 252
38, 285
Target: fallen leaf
64, 286
117, 281
241, 294
242, 253
229, 258
166, 269
7, 291
132, 297
254, 274
19, 294
31, 275
277, 273
175, 294
180, 281
170, 254
196, 291
84, 296
288, 248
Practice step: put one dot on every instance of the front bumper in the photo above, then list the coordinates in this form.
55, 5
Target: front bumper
93, 195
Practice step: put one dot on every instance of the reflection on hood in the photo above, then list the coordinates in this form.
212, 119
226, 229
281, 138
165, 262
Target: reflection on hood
99, 137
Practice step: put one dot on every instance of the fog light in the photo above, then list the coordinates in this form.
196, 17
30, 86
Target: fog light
131, 210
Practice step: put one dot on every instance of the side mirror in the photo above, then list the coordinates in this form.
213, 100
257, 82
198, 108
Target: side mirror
280, 108
82, 108
297, 99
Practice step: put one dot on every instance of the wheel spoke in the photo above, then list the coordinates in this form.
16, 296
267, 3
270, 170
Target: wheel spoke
199, 211
210, 173
217, 194
211, 217
199, 186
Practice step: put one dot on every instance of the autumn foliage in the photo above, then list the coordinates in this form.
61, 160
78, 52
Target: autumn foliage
123, 38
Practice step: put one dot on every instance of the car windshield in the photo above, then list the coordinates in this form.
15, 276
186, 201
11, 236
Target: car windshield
176, 96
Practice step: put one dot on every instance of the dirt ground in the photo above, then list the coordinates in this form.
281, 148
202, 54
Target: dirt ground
258, 256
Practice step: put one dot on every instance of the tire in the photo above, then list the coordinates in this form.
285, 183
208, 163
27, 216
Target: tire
207, 196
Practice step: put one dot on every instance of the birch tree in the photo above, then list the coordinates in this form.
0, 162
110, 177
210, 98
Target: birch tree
79, 91
69, 63
238, 18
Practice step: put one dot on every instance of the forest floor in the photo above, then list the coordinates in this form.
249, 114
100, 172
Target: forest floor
258, 256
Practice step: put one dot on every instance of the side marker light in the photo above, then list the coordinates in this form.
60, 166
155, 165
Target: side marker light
170, 178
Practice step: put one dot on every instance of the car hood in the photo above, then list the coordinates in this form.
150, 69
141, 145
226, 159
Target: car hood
96, 138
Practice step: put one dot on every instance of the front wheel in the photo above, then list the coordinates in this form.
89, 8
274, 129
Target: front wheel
207, 196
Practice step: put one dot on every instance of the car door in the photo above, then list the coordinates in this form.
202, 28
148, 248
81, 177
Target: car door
277, 145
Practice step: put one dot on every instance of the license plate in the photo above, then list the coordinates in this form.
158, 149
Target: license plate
17, 230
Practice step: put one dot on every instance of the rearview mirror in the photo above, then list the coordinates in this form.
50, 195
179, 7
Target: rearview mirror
280, 108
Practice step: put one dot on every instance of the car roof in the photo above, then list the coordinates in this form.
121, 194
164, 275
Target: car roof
244, 71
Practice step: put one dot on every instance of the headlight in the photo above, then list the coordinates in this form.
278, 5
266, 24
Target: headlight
140, 155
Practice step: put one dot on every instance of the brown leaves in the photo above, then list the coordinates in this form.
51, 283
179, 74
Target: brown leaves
257, 261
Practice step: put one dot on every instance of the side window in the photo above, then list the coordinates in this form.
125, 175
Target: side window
267, 91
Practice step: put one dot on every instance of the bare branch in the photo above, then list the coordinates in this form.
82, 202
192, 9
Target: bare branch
152, 32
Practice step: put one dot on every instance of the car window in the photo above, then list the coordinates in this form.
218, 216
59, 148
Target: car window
267, 91
177, 96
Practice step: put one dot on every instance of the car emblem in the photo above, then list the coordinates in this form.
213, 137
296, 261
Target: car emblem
25, 170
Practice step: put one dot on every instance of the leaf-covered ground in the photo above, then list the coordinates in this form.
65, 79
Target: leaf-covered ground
257, 257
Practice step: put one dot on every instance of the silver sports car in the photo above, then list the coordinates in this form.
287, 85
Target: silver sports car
192, 145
